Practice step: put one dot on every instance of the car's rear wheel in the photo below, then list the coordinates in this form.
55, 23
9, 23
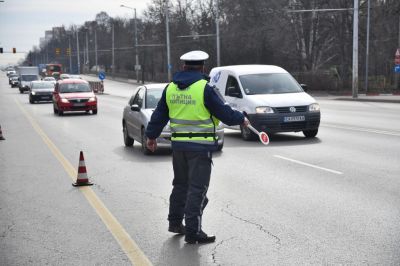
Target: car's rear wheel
94, 111
145, 150
220, 146
310, 133
128, 141
247, 134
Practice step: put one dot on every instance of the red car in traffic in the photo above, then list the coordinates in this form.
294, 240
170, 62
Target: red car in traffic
73, 95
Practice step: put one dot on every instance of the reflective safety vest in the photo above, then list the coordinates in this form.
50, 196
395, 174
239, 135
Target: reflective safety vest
190, 121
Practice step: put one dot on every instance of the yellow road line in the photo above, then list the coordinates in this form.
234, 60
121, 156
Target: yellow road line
132, 250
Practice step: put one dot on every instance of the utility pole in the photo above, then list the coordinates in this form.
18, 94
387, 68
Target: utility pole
137, 67
355, 50
87, 48
112, 52
367, 49
217, 32
95, 48
70, 53
396, 75
77, 51
168, 44
136, 51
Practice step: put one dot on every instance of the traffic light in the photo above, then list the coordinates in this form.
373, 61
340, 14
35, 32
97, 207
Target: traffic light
58, 51
68, 51
1, 50
14, 50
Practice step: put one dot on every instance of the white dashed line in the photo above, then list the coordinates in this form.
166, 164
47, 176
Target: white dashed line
309, 165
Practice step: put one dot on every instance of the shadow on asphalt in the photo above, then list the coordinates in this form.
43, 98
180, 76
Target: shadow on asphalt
135, 153
175, 251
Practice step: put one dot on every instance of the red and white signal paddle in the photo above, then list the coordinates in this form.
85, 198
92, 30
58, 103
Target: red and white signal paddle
261, 135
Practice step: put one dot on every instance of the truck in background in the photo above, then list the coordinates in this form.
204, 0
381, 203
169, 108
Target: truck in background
27, 74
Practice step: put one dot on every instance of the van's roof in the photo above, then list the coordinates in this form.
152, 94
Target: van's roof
251, 69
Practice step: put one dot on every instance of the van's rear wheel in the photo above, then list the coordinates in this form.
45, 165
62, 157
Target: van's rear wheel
310, 133
247, 134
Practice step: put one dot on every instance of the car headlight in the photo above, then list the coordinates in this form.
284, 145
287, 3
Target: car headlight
314, 107
63, 100
92, 99
264, 110
33, 93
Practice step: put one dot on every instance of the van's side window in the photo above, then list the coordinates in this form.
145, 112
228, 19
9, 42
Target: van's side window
232, 88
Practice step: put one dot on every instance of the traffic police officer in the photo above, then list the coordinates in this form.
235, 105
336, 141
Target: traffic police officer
194, 109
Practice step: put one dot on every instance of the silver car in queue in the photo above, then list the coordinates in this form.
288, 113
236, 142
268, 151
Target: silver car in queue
137, 114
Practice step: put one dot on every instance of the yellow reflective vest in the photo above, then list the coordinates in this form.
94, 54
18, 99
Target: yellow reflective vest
190, 121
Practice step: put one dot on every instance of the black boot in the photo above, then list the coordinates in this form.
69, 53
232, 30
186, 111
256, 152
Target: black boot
177, 229
200, 238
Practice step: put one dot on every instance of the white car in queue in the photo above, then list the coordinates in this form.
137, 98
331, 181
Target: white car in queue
272, 99
137, 114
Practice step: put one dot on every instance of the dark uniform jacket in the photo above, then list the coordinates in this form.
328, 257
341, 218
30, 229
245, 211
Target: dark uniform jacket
212, 101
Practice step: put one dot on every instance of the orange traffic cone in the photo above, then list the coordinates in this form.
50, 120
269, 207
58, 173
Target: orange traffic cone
1, 135
82, 179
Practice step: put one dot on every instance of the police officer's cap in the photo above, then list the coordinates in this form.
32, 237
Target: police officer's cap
194, 58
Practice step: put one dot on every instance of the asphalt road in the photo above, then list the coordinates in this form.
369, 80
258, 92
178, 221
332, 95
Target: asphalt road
329, 200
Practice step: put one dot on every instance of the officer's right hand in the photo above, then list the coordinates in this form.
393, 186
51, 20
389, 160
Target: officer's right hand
246, 122
151, 144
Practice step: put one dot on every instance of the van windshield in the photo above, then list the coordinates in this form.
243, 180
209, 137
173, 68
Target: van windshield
267, 83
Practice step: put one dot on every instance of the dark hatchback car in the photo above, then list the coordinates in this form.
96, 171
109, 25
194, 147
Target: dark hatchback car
41, 91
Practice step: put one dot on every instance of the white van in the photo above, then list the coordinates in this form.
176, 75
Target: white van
271, 98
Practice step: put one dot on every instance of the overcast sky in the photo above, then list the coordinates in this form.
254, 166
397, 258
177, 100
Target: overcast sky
23, 22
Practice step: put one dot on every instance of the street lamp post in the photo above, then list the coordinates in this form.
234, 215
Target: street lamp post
77, 51
95, 48
217, 32
137, 67
70, 53
355, 51
168, 44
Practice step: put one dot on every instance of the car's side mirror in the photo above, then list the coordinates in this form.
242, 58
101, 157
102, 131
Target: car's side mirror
304, 86
135, 108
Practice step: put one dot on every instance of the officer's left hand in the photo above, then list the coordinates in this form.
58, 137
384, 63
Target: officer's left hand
151, 144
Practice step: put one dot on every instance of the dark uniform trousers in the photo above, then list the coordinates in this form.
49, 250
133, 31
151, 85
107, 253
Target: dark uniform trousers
188, 199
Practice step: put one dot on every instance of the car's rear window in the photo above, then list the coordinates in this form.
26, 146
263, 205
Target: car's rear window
29, 77
271, 83
74, 87
153, 97
43, 85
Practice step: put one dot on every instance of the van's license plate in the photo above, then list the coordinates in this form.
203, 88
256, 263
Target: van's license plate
294, 118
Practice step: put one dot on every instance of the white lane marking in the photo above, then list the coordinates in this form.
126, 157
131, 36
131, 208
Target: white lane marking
310, 165
383, 132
